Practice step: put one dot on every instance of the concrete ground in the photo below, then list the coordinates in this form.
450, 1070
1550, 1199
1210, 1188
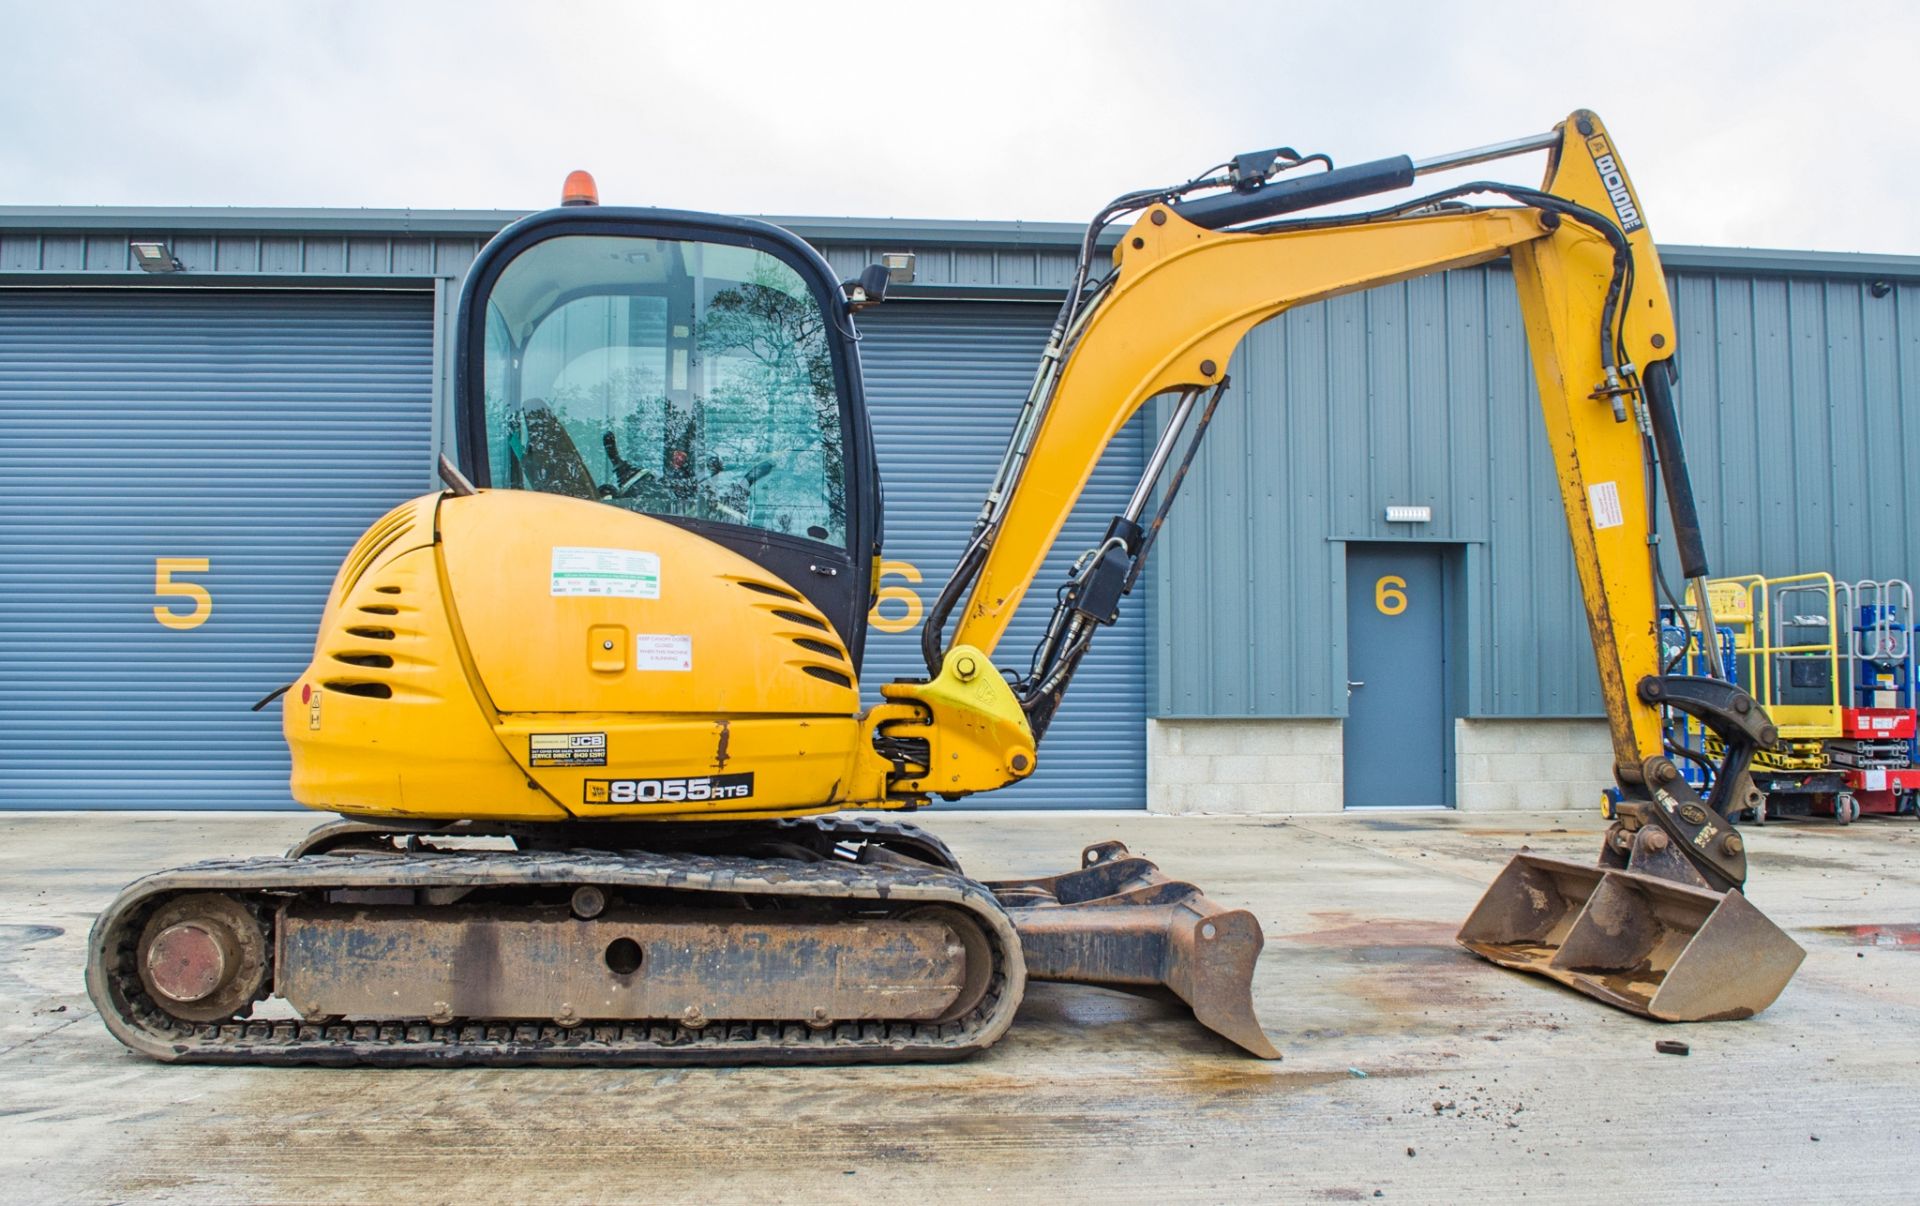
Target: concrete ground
1413, 1072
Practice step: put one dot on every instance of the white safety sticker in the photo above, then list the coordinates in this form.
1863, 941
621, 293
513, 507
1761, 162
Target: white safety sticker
567, 749
606, 573
662, 651
1603, 500
1874, 780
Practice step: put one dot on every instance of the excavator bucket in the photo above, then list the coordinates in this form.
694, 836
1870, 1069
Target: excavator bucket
1648, 945
1119, 922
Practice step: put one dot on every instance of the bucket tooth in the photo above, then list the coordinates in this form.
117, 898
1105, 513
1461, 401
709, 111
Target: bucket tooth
1660, 949
1119, 922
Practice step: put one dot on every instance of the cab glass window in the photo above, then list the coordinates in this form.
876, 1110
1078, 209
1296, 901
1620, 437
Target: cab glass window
677, 378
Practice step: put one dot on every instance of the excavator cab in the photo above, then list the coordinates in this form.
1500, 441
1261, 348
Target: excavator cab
694, 368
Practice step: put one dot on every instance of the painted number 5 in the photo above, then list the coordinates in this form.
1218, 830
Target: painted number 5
168, 587
1390, 595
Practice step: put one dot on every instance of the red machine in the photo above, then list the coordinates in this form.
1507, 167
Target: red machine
1834, 664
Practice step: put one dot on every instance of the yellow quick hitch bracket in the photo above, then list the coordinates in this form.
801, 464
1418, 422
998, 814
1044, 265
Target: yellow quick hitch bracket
978, 737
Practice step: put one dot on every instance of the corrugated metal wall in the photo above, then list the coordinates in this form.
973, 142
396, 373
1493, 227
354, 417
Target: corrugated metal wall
1795, 400
241, 254
257, 431
1007, 260
1799, 402
974, 266
944, 382
1797, 382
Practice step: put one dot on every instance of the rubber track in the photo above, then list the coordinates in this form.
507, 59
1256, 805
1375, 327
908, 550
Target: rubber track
136, 1021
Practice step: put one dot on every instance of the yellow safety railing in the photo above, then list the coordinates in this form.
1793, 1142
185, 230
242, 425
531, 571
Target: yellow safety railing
1870, 667
1761, 645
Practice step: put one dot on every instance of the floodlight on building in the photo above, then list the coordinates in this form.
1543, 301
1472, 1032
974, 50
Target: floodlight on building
899, 265
155, 257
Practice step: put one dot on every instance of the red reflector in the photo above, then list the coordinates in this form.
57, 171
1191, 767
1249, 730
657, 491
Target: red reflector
306, 693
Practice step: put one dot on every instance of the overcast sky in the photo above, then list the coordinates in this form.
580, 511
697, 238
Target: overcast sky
1752, 124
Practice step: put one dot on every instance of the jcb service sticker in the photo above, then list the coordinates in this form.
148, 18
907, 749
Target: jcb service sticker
656, 791
567, 749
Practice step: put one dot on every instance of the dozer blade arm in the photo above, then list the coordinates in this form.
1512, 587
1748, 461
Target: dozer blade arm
1119, 922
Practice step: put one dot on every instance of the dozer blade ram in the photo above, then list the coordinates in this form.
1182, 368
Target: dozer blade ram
1118, 922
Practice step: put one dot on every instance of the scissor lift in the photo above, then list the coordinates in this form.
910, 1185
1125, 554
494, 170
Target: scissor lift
1877, 732
1834, 664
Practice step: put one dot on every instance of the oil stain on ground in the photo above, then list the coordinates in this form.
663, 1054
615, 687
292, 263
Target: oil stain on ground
1903, 935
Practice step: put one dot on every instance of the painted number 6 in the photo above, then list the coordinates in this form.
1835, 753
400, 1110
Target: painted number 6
165, 585
905, 596
1390, 595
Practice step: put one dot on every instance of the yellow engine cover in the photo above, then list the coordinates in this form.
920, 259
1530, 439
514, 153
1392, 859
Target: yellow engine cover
512, 655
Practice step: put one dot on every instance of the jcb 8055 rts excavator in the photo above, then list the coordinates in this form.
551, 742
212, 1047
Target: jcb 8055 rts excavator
623, 647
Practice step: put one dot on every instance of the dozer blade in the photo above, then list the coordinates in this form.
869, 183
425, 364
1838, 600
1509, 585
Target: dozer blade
1120, 923
1647, 945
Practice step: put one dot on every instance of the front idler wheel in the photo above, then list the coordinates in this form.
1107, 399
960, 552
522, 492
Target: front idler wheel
203, 958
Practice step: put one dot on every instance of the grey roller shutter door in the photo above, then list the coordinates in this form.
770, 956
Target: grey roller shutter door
259, 430
945, 381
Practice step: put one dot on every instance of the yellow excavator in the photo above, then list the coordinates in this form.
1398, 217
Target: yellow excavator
591, 715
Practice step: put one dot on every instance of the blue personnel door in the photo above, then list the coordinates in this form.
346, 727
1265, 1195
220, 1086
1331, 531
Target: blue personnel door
1397, 732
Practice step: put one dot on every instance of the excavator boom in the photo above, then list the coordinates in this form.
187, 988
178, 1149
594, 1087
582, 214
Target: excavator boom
1181, 296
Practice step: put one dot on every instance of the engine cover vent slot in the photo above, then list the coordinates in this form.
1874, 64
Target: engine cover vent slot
373, 661
767, 588
802, 619
371, 634
384, 533
832, 676
813, 646
364, 689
